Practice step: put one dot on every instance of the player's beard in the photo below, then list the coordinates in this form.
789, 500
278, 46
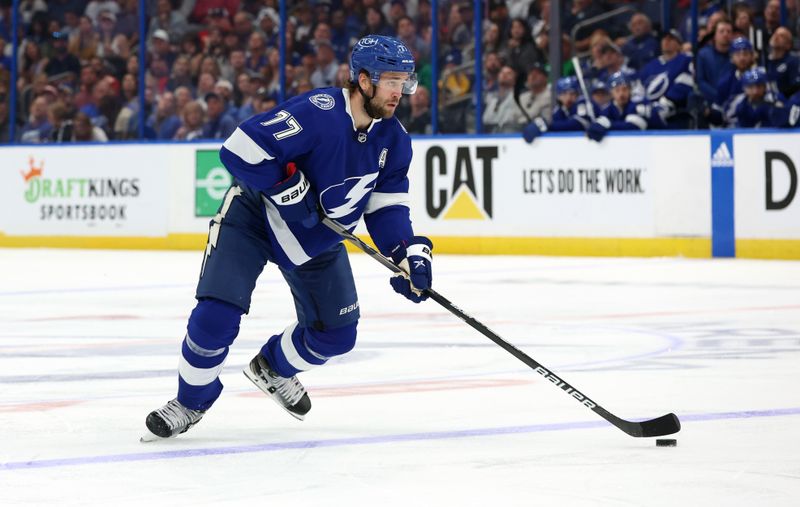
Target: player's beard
377, 112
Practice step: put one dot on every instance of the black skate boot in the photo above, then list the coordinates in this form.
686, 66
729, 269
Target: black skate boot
289, 393
171, 420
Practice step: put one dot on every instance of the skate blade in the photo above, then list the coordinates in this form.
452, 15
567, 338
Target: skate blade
150, 437
255, 379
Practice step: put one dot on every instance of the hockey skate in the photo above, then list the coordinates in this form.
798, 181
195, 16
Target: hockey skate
171, 420
289, 393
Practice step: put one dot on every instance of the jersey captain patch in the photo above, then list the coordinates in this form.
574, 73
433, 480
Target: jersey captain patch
322, 101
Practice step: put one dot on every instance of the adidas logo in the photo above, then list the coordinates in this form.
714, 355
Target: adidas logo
722, 156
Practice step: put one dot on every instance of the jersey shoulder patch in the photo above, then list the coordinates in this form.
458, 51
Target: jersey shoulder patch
323, 101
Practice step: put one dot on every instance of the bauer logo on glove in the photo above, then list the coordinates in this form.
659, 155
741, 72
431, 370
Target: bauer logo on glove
414, 258
294, 194
296, 201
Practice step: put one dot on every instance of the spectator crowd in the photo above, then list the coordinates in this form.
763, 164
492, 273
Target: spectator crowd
210, 64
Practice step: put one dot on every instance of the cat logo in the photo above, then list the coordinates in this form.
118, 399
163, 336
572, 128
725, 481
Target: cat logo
382, 158
451, 192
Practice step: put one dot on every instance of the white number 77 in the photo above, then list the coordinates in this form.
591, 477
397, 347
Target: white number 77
291, 121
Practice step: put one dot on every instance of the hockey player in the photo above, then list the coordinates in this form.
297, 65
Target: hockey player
755, 110
601, 97
570, 114
787, 115
334, 151
613, 62
743, 58
623, 113
668, 80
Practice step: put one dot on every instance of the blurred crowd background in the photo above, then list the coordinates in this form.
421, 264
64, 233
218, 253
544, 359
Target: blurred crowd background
212, 63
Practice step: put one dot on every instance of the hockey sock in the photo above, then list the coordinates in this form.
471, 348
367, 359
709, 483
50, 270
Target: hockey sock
299, 349
212, 327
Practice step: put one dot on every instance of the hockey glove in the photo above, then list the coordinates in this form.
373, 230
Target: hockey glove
534, 129
294, 198
414, 258
598, 129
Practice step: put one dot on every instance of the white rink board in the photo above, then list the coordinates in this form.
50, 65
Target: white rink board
767, 211
482, 187
84, 191
639, 187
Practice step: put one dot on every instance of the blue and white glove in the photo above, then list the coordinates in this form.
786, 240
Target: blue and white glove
413, 257
294, 198
534, 129
598, 129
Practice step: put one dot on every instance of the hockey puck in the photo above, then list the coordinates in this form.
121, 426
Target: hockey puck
666, 442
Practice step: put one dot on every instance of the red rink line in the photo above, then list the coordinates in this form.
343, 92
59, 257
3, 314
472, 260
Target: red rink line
687, 312
404, 387
84, 317
320, 392
40, 406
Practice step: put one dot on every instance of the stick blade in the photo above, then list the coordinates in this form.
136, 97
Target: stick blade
660, 426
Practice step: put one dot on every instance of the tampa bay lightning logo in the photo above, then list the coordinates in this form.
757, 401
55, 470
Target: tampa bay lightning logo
658, 86
340, 200
322, 101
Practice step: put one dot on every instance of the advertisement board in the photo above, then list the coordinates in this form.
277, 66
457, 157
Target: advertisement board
562, 187
767, 200
720, 193
84, 191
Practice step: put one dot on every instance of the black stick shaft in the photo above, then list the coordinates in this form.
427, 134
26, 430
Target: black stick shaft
664, 425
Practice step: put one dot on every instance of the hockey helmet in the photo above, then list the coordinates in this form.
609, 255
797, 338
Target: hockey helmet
599, 86
567, 84
618, 78
741, 44
754, 77
377, 54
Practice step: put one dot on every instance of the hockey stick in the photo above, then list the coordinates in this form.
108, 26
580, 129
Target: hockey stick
664, 425
579, 73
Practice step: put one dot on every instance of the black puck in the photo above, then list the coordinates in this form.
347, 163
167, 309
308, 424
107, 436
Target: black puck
666, 442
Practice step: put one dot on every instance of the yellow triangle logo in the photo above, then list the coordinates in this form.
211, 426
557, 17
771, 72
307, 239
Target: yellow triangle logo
464, 207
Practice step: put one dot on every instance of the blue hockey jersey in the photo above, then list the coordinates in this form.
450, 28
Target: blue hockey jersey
354, 172
753, 115
730, 85
785, 74
634, 116
575, 118
668, 78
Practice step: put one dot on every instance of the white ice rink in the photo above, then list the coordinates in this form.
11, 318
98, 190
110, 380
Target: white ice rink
425, 411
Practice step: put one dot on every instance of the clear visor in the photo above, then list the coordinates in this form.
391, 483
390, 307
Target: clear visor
404, 83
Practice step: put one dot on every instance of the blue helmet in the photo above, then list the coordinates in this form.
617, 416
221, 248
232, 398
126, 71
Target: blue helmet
754, 77
741, 44
377, 54
599, 86
618, 78
567, 84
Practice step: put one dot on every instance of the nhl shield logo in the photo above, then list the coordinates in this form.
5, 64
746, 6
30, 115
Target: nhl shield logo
362, 137
322, 101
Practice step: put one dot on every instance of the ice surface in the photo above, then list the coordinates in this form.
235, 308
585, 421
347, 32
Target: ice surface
425, 411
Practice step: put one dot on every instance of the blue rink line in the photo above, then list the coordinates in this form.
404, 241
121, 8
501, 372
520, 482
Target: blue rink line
373, 440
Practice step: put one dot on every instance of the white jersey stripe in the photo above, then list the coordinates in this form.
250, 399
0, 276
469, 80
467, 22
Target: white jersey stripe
637, 120
380, 200
287, 241
241, 145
